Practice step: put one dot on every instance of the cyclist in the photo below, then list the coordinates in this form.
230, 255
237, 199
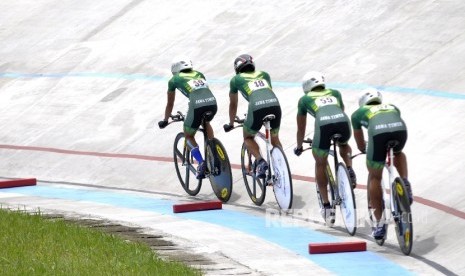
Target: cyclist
384, 123
194, 86
255, 87
327, 107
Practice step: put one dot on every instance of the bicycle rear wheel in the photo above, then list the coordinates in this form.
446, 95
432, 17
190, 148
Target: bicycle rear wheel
184, 164
402, 216
282, 180
256, 187
220, 170
347, 204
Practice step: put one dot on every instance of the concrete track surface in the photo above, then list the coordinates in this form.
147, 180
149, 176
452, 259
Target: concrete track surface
83, 84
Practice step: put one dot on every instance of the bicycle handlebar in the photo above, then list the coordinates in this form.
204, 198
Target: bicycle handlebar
360, 153
228, 127
177, 117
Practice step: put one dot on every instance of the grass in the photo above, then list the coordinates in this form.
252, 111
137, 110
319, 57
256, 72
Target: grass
33, 245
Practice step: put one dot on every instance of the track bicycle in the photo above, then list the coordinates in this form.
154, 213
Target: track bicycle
396, 204
218, 166
340, 190
278, 174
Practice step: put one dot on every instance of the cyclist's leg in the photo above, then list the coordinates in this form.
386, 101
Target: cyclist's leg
275, 138
345, 150
321, 177
191, 125
320, 149
375, 190
275, 124
208, 127
251, 144
376, 158
400, 160
251, 126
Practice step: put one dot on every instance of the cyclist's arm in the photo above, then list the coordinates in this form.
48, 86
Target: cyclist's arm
301, 126
169, 104
268, 79
341, 101
301, 121
360, 139
358, 132
233, 99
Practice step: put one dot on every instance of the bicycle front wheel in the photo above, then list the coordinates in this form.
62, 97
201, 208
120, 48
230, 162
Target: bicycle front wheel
256, 187
282, 180
402, 216
184, 164
220, 170
347, 197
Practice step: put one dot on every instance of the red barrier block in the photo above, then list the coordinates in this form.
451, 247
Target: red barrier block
197, 206
336, 247
18, 183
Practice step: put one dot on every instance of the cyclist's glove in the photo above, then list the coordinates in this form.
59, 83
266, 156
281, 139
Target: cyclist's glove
298, 151
228, 127
162, 124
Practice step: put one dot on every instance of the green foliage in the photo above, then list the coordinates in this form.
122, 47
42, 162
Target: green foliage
32, 245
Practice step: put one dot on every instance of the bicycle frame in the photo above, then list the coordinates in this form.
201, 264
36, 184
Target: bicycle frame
217, 161
267, 138
390, 168
332, 178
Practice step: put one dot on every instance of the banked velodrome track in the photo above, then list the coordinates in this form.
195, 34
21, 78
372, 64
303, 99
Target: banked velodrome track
82, 85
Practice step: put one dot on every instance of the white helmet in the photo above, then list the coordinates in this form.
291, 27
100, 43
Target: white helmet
370, 95
311, 80
181, 63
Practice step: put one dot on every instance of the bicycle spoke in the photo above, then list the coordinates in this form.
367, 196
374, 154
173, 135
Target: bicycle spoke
184, 167
255, 187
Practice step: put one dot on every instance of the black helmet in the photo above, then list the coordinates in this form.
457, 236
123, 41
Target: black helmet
242, 62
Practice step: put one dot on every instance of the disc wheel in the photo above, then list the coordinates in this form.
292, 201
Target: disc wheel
402, 216
220, 170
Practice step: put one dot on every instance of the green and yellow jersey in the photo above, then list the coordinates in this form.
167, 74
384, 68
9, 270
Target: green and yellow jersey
325, 106
194, 86
256, 88
378, 118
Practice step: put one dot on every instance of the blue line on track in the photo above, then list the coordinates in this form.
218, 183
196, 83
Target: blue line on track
433, 93
291, 237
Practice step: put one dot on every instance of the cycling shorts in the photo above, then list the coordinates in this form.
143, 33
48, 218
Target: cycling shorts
322, 136
194, 117
377, 147
254, 120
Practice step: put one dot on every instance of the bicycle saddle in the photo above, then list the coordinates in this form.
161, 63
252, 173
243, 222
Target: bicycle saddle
208, 116
392, 143
336, 137
269, 117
